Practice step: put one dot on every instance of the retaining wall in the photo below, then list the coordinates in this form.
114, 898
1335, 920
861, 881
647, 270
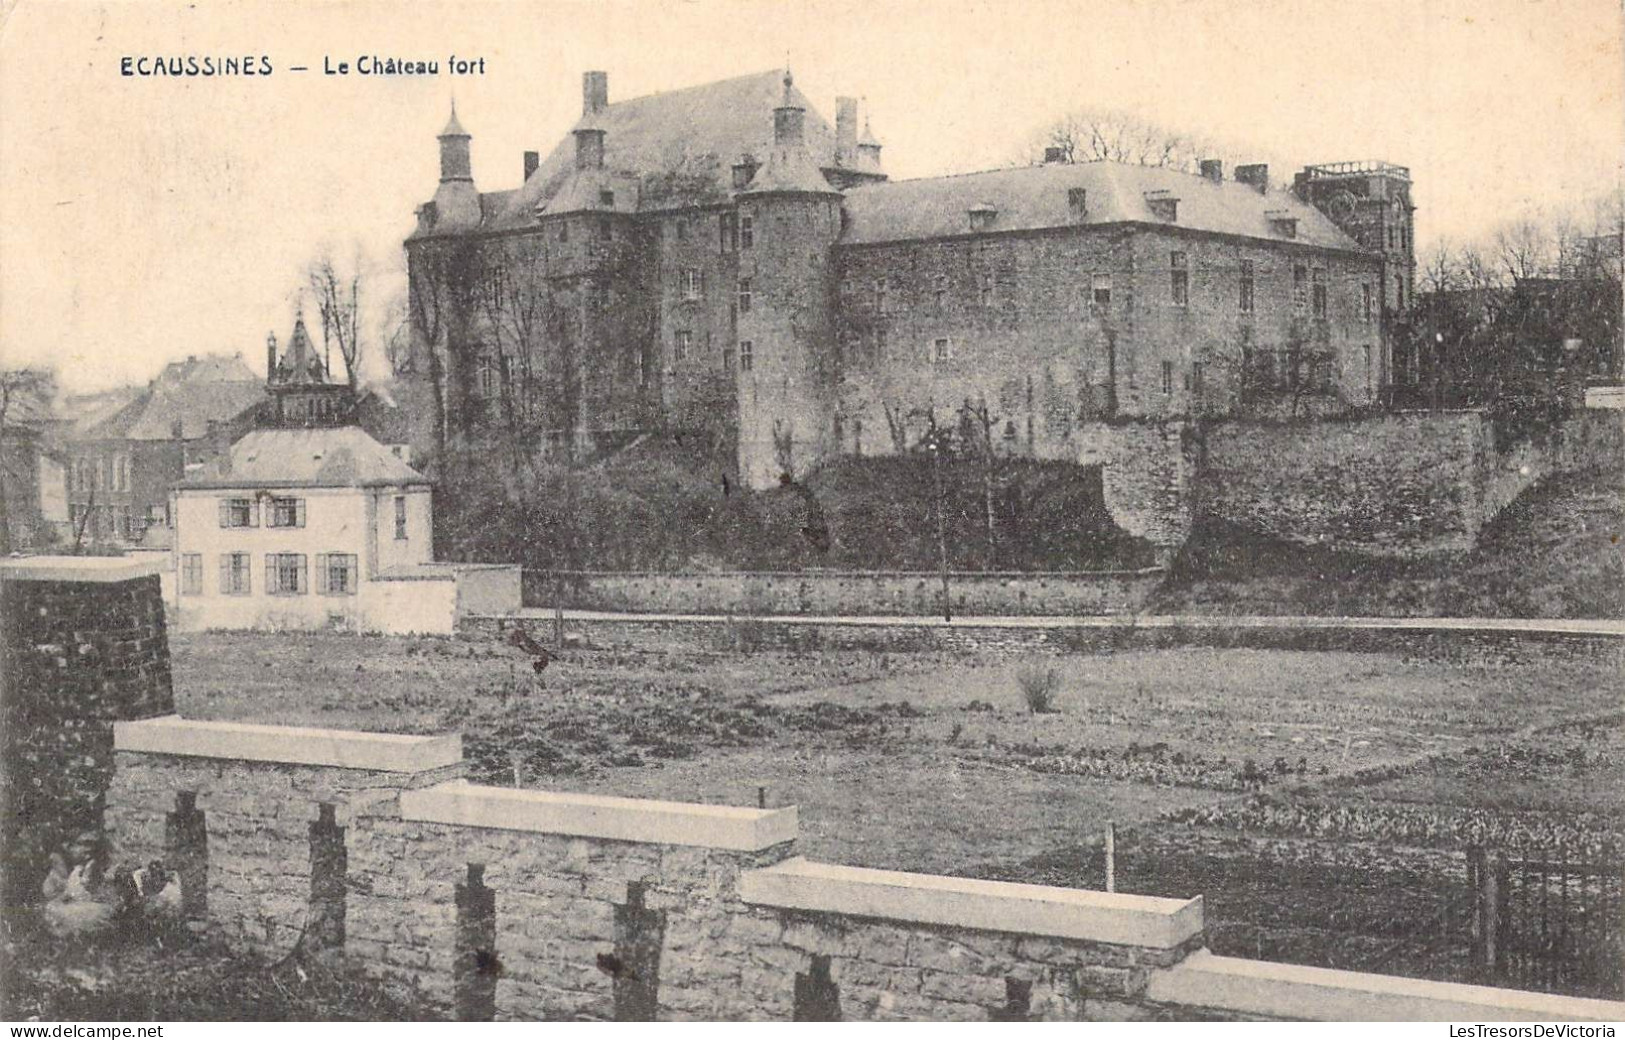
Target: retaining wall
500, 903
1401, 485
82, 644
835, 593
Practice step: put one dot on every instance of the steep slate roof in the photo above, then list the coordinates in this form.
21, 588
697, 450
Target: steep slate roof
344, 456
1032, 197
681, 144
210, 368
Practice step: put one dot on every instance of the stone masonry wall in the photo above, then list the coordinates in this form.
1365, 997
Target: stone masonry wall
496, 903
82, 644
1393, 485
847, 593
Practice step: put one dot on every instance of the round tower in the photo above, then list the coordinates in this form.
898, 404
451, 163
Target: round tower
788, 219
456, 205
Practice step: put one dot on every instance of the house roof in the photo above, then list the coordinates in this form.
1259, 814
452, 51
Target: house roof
344, 456
1033, 197
681, 145
154, 413
210, 368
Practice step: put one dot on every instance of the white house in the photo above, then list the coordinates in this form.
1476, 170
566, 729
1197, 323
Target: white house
320, 528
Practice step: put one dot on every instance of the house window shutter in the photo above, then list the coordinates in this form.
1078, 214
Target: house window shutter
304, 576
270, 574
352, 573
225, 517
225, 573
321, 574
253, 512
298, 512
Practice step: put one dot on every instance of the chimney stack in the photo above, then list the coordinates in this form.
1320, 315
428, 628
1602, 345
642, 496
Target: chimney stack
1053, 154
594, 92
1256, 174
532, 160
846, 131
270, 357
1213, 170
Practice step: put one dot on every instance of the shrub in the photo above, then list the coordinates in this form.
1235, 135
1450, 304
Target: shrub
1038, 686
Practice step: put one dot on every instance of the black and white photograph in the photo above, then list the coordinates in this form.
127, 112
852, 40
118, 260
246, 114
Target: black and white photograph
772, 511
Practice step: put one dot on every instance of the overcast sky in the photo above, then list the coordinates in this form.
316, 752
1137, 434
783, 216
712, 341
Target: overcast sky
143, 219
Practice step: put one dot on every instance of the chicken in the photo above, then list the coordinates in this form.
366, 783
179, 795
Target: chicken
74, 909
158, 890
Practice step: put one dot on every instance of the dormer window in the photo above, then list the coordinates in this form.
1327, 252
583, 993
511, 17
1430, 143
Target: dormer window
1077, 202
606, 198
1164, 205
1283, 223
982, 216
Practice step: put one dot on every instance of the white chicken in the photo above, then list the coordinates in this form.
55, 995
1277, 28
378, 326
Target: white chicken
70, 907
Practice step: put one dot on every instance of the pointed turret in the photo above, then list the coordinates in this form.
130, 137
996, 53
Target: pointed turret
456, 204
302, 389
790, 167
868, 149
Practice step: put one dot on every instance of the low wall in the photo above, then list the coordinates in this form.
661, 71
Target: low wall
1018, 636
1401, 485
835, 593
501, 903
82, 644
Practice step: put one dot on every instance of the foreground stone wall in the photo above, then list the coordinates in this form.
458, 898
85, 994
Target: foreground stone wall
508, 904
847, 593
1397, 485
82, 644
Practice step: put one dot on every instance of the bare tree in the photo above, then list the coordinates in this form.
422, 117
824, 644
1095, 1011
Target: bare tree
1525, 248
977, 424
428, 313
338, 302
23, 393
1088, 134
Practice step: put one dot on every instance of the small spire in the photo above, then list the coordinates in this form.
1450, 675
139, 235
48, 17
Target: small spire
453, 127
789, 81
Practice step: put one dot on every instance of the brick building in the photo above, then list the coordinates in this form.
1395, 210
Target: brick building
721, 259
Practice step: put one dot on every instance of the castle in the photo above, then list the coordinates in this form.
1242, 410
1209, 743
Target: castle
721, 259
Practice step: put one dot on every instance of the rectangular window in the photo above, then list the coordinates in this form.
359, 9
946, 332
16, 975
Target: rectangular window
239, 512
746, 355
1300, 288
882, 301
1370, 374
986, 292
486, 374
400, 518
693, 285
942, 350
564, 231
285, 574
941, 295
1196, 378
101, 475
744, 296
680, 346
1101, 288
682, 230
191, 574
1320, 293
1179, 278
234, 579
1167, 378
286, 512
606, 229
747, 232
336, 574
1365, 302
727, 232
880, 344
1247, 276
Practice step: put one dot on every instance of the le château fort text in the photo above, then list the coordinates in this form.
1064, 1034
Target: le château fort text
189, 65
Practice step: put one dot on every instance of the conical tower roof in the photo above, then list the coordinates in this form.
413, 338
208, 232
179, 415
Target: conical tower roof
789, 167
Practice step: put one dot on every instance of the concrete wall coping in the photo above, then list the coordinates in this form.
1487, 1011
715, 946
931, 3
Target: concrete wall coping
1292, 991
601, 816
846, 574
999, 906
78, 568
342, 749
